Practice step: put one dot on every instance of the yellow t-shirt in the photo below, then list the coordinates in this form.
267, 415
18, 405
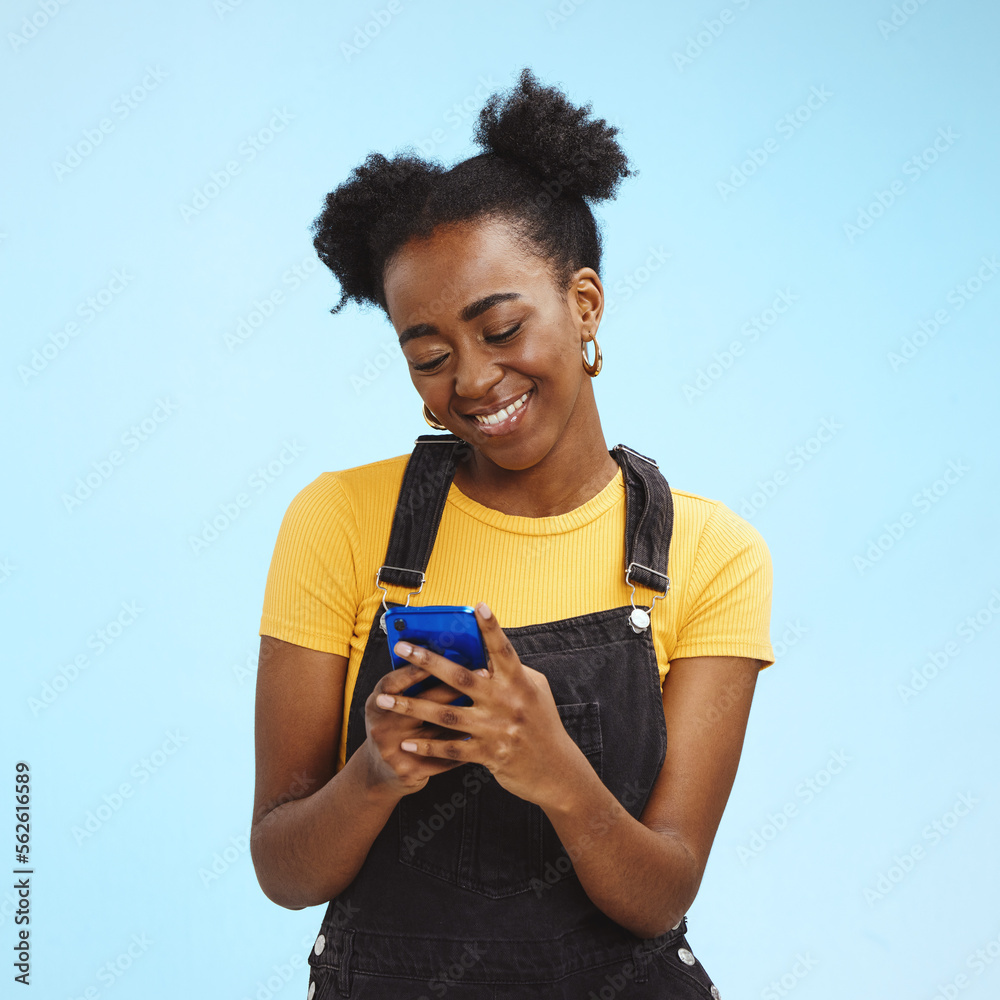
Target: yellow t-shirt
321, 592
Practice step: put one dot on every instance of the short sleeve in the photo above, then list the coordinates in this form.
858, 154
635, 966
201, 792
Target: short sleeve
727, 610
311, 594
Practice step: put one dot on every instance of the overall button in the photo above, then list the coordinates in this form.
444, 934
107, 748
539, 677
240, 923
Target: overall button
685, 956
320, 945
715, 992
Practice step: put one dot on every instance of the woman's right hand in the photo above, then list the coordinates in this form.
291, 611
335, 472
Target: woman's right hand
401, 771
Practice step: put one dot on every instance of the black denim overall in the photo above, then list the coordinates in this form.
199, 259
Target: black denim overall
467, 891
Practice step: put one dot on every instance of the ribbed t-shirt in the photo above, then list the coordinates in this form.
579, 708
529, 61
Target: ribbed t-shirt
321, 593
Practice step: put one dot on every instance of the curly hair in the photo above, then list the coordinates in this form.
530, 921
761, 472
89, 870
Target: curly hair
543, 162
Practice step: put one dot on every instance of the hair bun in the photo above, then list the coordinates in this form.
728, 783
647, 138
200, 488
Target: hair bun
537, 127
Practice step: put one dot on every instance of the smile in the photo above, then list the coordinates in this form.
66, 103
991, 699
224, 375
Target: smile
501, 418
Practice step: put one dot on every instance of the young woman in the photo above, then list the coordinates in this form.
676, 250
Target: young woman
544, 841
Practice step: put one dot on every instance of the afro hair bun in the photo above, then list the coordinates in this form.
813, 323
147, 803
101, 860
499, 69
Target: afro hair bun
537, 127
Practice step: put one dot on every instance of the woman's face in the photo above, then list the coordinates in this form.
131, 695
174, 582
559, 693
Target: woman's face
492, 345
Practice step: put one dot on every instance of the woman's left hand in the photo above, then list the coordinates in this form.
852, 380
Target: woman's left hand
513, 724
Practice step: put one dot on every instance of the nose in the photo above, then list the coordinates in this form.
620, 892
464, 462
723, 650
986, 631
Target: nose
476, 373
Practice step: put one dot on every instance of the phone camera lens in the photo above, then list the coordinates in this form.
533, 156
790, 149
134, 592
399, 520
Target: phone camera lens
400, 624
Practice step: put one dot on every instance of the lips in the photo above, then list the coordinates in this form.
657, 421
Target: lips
504, 419
501, 414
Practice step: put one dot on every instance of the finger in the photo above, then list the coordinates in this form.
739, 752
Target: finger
503, 656
446, 716
453, 750
403, 677
459, 677
445, 692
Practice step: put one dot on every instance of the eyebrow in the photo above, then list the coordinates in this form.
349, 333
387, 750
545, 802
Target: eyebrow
469, 313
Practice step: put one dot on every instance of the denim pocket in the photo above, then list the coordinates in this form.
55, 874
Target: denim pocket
464, 827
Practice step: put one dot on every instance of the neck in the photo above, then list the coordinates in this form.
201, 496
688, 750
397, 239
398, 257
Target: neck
574, 471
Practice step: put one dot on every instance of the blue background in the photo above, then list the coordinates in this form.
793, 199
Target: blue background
873, 578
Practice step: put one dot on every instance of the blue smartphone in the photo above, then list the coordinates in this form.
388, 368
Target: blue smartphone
448, 630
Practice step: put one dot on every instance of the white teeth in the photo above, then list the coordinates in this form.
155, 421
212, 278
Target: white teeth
501, 414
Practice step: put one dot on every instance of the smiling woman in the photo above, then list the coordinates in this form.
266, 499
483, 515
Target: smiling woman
541, 841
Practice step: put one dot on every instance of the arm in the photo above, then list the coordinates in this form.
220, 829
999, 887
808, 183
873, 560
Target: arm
645, 874
311, 829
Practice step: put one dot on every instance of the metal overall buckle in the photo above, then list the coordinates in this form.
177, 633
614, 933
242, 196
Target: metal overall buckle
385, 593
639, 619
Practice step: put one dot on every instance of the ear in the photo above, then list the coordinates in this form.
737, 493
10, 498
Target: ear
586, 301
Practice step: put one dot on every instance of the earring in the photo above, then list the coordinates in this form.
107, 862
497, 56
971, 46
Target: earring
592, 369
432, 420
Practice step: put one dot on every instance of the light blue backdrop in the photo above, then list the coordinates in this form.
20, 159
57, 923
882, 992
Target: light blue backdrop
825, 171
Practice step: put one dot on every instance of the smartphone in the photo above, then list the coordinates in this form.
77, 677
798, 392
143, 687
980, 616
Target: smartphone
448, 630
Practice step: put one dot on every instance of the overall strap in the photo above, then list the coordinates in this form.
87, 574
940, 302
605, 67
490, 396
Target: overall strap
649, 513
422, 495
649, 520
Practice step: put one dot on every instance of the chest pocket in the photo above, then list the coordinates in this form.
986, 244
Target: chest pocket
464, 827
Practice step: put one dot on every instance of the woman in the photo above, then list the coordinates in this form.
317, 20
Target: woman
540, 842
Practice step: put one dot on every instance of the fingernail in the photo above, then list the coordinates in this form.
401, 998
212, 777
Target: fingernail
484, 610
408, 745
385, 701
483, 671
404, 648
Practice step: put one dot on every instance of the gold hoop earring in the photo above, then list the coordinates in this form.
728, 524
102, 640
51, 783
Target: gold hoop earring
432, 420
592, 369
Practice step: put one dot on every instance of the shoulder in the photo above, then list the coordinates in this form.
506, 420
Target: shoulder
357, 494
717, 531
